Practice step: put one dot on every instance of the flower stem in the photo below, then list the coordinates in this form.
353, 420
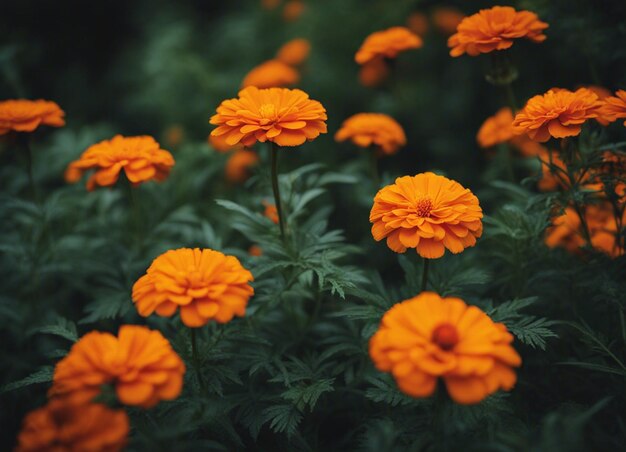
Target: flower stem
425, 274
195, 357
583, 222
134, 207
276, 189
25, 139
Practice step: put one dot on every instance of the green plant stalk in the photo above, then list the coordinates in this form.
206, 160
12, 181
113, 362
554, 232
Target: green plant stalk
276, 190
195, 357
425, 274
25, 139
134, 207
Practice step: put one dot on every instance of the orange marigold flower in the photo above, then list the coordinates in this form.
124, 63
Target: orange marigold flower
294, 52
283, 116
220, 145
427, 212
141, 158
205, 284
367, 129
140, 363
429, 337
22, 115
566, 231
495, 29
387, 44
499, 129
271, 212
447, 19
496, 129
239, 165
417, 22
60, 426
272, 73
615, 106
374, 72
558, 113
293, 9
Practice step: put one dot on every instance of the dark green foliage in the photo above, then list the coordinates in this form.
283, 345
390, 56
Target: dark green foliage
294, 373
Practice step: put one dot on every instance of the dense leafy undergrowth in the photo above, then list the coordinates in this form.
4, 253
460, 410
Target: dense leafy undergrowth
295, 373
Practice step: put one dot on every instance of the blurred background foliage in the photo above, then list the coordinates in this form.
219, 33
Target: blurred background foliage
296, 376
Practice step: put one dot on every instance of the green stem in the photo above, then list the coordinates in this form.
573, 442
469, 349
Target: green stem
29, 166
425, 274
583, 222
195, 357
276, 189
439, 421
135, 210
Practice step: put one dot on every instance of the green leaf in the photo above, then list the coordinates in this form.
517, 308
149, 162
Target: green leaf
43, 375
283, 418
63, 328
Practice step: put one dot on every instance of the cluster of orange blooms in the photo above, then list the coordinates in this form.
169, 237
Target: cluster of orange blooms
139, 364
379, 49
419, 340
561, 113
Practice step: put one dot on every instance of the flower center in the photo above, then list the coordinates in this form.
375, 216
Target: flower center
423, 206
267, 112
445, 336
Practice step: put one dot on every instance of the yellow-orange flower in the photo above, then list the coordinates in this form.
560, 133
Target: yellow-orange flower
495, 29
141, 158
283, 116
615, 106
558, 113
22, 115
294, 52
447, 19
59, 427
271, 212
373, 129
496, 129
205, 284
499, 129
293, 9
428, 212
239, 165
566, 231
387, 44
140, 363
429, 337
417, 22
272, 73
374, 72
220, 145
